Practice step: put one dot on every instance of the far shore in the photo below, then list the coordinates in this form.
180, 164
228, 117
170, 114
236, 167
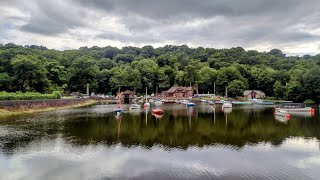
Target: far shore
18, 111
6, 113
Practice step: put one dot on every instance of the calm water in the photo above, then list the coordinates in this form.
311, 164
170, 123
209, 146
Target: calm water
196, 143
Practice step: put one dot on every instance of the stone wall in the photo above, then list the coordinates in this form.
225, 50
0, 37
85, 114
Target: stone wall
34, 104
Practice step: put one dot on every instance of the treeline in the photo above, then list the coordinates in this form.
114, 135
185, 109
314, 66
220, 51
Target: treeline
38, 69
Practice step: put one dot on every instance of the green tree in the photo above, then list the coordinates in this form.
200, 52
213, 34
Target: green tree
226, 75
191, 72
207, 76
82, 71
5, 82
29, 73
124, 58
106, 63
236, 88
279, 90
148, 69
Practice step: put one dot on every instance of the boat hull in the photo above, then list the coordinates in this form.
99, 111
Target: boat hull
190, 104
306, 109
118, 110
157, 111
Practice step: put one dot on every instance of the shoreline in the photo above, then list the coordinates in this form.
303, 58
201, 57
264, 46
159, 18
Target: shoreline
6, 113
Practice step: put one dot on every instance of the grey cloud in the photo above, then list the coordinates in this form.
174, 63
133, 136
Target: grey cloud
215, 23
204, 8
137, 38
51, 18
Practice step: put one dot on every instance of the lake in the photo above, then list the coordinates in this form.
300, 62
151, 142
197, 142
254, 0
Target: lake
245, 142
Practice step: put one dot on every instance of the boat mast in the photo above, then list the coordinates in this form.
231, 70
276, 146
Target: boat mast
146, 94
226, 92
214, 88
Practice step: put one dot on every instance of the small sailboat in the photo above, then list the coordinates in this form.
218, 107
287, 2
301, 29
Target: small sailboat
147, 104
119, 108
157, 111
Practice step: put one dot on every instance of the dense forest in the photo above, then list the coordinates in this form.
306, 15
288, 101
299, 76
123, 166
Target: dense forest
38, 69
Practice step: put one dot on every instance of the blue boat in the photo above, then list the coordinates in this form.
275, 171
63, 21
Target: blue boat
118, 110
241, 102
263, 103
190, 104
256, 101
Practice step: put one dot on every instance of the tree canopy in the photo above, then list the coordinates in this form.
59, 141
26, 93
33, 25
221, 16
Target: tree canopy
37, 68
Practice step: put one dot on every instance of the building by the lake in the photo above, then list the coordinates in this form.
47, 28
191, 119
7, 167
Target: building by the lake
179, 92
254, 94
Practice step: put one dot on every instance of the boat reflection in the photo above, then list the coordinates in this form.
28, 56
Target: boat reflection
157, 116
118, 117
227, 110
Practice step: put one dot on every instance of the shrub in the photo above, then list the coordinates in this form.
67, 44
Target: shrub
309, 101
5, 96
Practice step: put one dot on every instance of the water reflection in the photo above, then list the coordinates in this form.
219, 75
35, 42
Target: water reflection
201, 142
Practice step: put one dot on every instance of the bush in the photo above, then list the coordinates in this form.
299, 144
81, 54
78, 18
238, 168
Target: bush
309, 101
5, 96
270, 98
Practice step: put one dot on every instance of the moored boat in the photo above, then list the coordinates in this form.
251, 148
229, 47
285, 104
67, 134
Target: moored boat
157, 111
211, 102
220, 101
294, 107
168, 101
158, 103
190, 104
241, 102
184, 102
282, 113
118, 110
227, 104
260, 102
203, 101
134, 106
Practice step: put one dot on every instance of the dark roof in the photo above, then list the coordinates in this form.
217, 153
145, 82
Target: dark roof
175, 88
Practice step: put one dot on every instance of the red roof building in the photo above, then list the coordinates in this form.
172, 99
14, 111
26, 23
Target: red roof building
178, 92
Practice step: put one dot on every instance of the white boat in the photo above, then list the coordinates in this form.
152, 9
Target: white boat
203, 101
135, 106
281, 112
294, 107
158, 103
227, 104
184, 102
281, 119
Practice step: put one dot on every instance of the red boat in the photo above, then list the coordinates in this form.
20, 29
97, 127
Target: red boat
158, 116
157, 111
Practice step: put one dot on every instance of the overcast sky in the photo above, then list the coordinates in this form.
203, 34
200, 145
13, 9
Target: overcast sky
290, 25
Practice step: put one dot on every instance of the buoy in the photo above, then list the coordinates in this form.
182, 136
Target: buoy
288, 116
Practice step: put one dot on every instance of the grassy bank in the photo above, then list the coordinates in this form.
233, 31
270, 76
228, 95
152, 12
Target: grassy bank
6, 113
